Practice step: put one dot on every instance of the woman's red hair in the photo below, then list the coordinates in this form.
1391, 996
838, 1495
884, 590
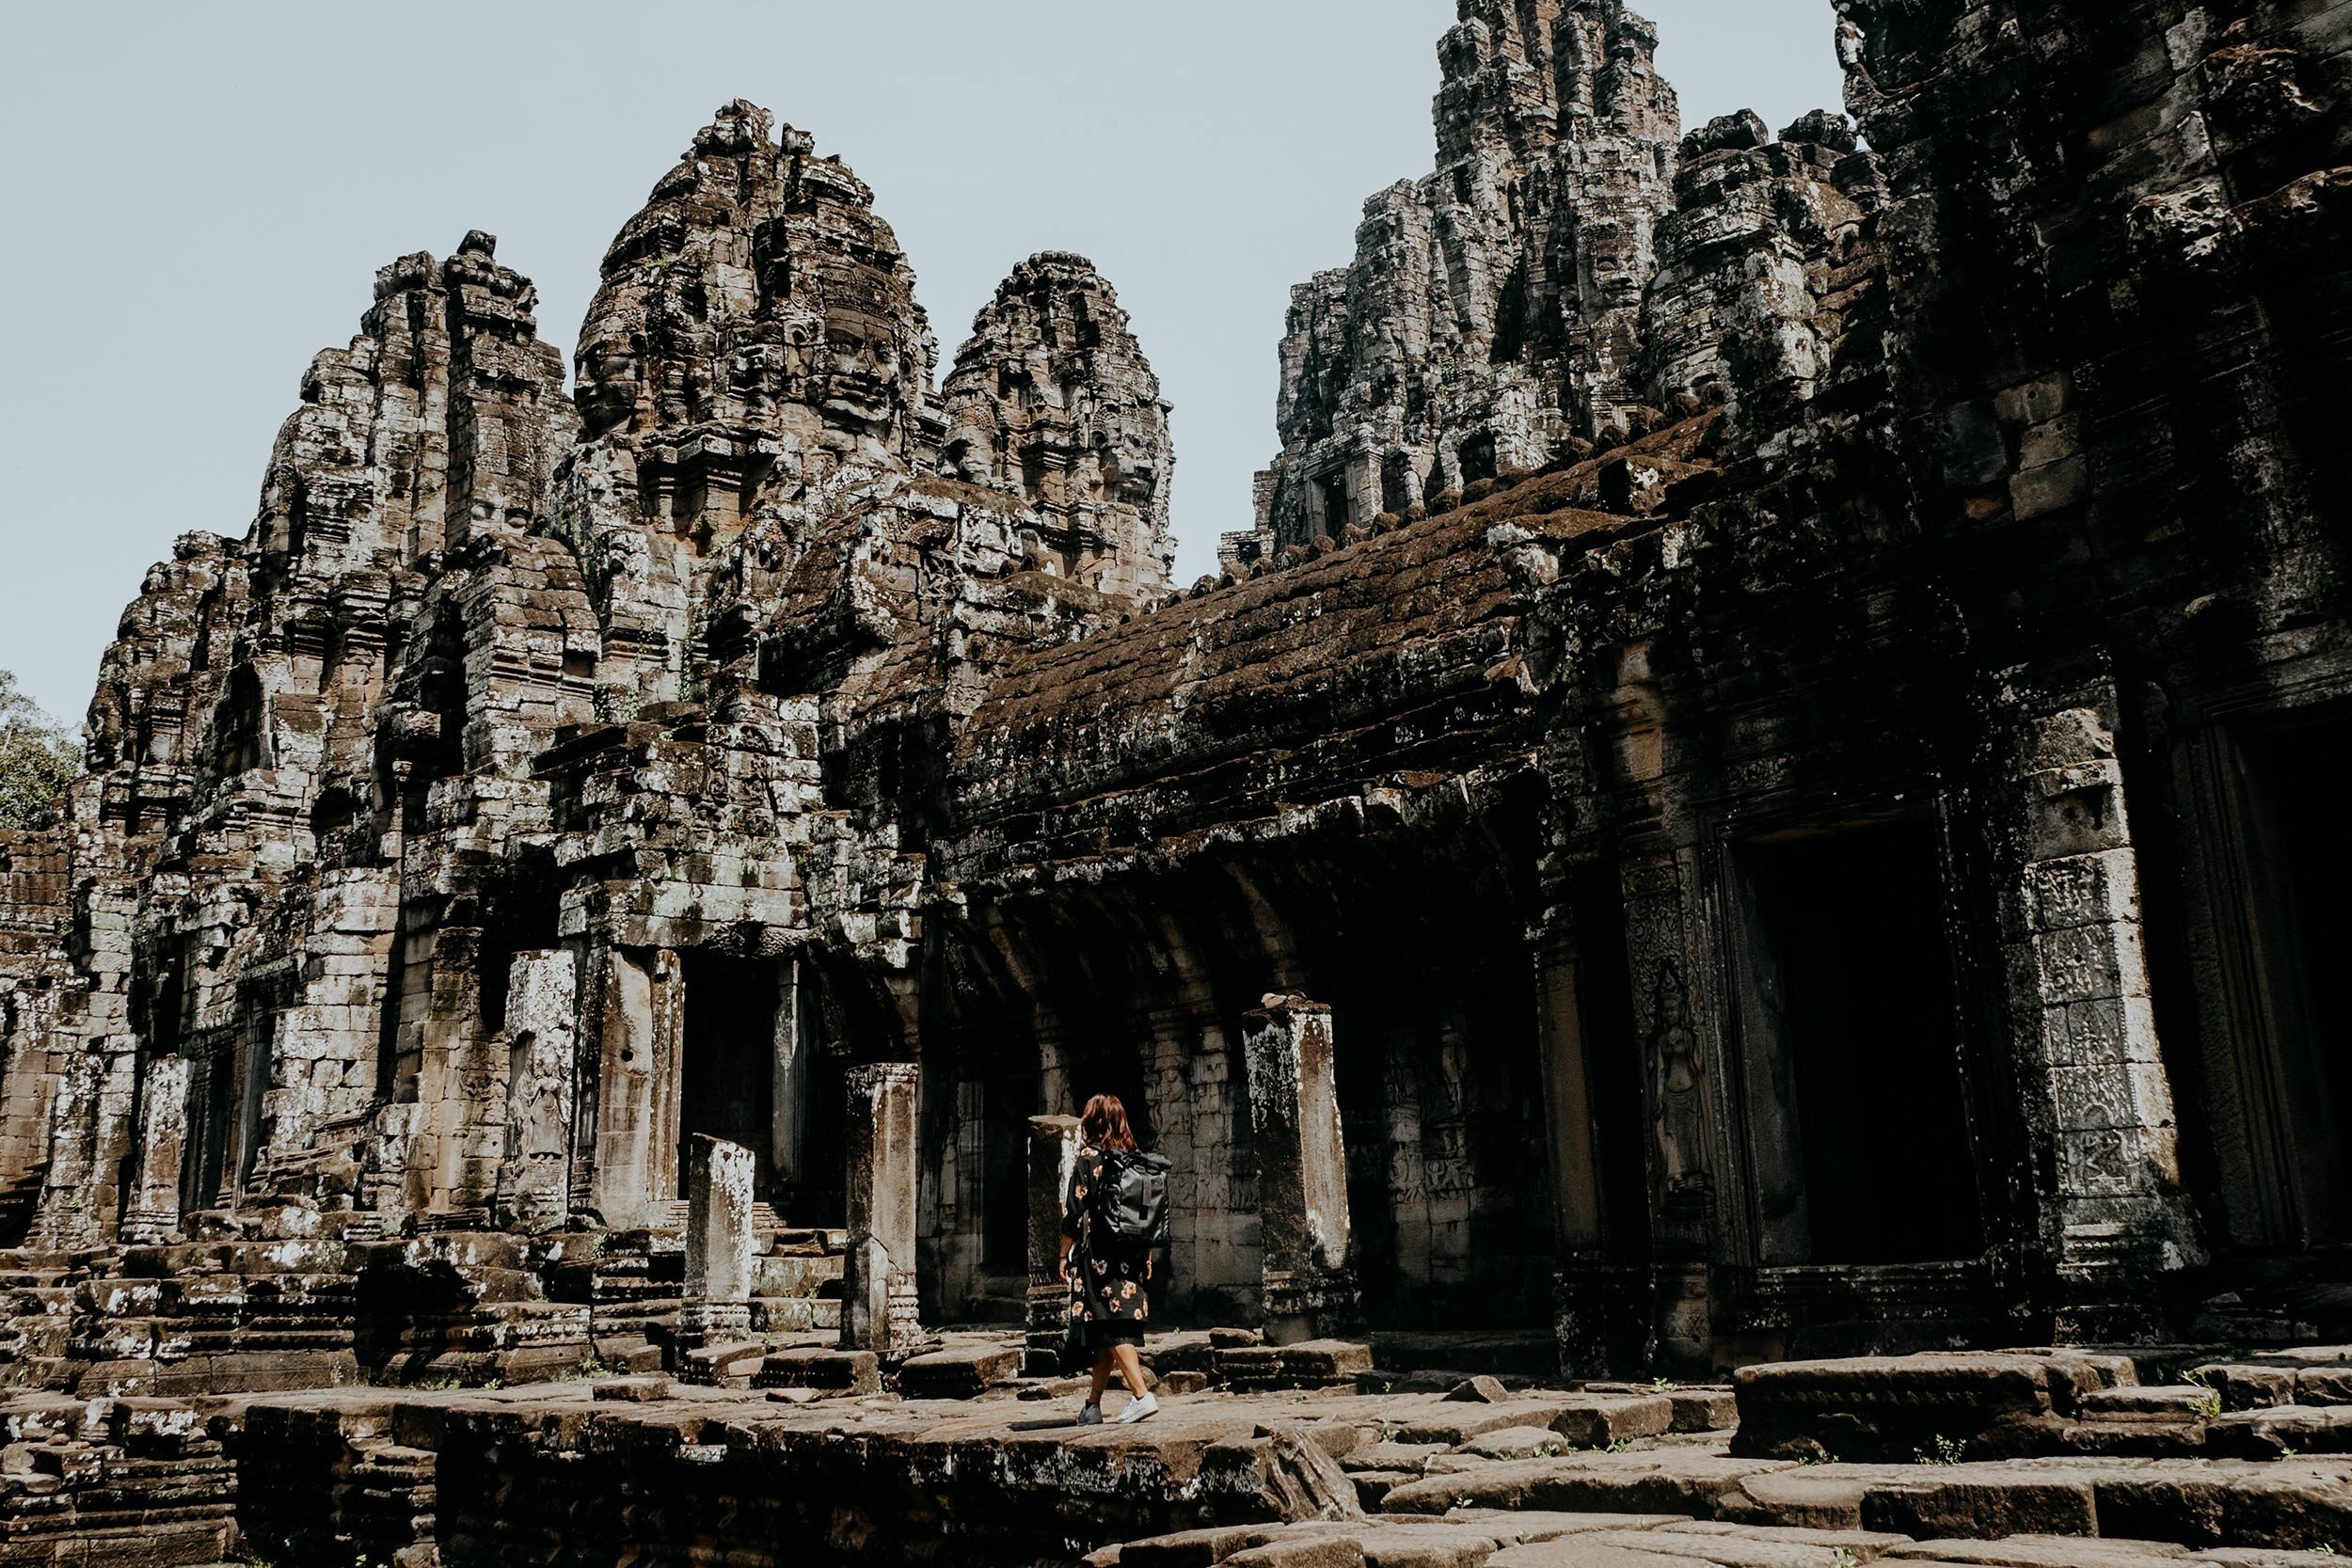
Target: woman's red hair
1105, 1123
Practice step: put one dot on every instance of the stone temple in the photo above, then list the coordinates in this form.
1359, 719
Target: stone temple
1765, 790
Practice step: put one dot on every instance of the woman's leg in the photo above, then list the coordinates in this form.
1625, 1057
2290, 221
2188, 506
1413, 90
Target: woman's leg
1130, 1368
1103, 1372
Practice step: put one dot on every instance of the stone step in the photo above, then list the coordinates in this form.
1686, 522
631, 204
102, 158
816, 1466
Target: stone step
960, 1373
2184, 1402
670, 1214
2282, 1432
1533, 1353
2283, 1503
730, 1365
1998, 1403
796, 1275
1578, 1420
795, 1314
828, 1371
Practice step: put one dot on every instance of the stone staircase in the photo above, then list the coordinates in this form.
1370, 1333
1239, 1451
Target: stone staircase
633, 1283
796, 1281
467, 1308
257, 1300
114, 1481
36, 1320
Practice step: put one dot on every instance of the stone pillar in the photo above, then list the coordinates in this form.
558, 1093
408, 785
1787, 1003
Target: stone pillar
151, 1207
542, 1021
449, 1176
879, 1305
788, 1087
2081, 1013
637, 1020
1053, 1150
1309, 1291
719, 1245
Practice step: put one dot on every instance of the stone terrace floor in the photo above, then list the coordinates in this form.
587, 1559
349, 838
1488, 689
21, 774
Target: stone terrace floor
645, 1469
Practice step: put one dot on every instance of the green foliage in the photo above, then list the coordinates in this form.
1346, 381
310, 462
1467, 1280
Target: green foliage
587, 1371
38, 757
1947, 1450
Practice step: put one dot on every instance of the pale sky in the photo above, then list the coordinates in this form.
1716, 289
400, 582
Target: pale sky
199, 195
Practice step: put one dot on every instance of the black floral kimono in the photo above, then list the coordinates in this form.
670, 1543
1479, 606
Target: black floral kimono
1108, 1302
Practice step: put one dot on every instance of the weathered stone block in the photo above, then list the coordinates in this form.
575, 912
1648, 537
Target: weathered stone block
831, 1371
958, 1374
1596, 1420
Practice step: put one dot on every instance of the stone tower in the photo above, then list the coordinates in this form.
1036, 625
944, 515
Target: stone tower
755, 332
1490, 317
1053, 398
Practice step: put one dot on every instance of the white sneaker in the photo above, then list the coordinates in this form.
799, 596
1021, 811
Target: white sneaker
1138, 1410
1090, 1416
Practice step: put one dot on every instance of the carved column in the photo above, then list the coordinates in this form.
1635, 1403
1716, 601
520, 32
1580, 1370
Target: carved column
2080, 1012
878, 1306
1053, 1150
542, 1019
1680, 1044
151, 1208
719, 1245
636, 1101
447, 1172
1302, 1170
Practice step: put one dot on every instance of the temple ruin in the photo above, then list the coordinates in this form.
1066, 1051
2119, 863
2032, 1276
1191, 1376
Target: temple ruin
1763, 792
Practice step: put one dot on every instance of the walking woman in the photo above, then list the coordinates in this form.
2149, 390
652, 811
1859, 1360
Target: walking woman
1114, 1214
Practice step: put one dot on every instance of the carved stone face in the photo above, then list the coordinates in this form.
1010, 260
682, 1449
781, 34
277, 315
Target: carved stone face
611, 369
862, 366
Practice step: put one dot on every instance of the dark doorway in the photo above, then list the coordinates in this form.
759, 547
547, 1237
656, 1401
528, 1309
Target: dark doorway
1396, 484
1612, 1059
728, 1075
2301, 928
1333, 490
1477, 456
212, 1104
1857, 1114
1008, 1104
820, 1196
